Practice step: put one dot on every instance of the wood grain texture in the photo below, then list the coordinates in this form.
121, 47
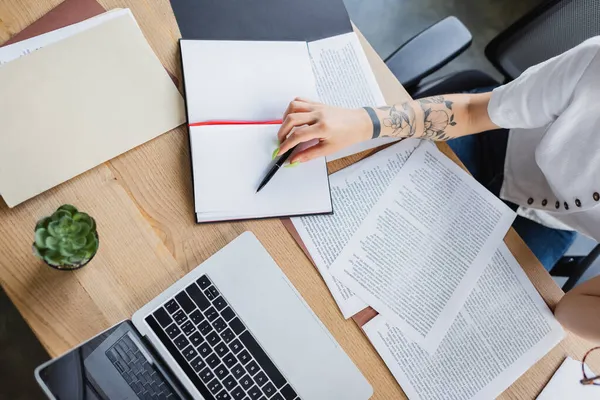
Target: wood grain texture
142, 202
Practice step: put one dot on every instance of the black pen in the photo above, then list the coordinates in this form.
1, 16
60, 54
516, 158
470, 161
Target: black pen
278, 164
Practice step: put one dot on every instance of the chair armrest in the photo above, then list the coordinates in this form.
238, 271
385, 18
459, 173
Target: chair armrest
429, 51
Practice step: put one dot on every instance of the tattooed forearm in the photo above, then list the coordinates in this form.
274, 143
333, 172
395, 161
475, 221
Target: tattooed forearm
437, 116
427, 118
402, 122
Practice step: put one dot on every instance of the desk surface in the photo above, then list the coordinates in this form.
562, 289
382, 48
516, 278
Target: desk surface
142, 202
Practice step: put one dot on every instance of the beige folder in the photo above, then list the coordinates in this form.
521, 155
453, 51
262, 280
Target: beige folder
73, 105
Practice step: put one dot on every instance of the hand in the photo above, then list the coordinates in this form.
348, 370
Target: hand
334, 127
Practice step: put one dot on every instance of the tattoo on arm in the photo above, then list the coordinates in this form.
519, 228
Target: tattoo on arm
402, 121
437, 115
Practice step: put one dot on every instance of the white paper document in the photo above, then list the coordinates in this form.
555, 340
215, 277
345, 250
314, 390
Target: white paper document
565, 383
24, 47
422, 247
354, 191
248, 81
502, 330
344, 78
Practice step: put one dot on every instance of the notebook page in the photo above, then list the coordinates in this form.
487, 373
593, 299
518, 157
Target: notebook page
354, 191
245, 80
229, 164
502, 330
422, 247
345, 79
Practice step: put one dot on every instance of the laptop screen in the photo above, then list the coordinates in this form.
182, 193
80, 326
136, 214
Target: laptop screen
113, 365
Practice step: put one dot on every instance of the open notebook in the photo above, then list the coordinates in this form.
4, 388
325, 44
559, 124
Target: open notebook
247, 81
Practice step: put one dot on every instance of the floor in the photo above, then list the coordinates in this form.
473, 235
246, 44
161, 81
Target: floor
387, 24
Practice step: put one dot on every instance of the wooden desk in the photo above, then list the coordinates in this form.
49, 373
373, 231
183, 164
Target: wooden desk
142, 202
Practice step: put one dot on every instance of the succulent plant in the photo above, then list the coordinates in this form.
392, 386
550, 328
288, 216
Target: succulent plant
67, 239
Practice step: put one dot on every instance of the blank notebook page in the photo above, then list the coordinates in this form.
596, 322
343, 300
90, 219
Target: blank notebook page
227, 190
248, 81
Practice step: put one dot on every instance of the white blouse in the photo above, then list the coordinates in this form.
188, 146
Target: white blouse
552, 167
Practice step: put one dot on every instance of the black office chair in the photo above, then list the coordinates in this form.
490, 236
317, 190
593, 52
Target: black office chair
548, 30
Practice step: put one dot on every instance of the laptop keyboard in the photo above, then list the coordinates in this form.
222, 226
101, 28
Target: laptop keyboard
139, 374
214, 347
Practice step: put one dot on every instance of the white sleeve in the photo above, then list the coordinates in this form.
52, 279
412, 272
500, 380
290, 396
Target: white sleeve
542, 92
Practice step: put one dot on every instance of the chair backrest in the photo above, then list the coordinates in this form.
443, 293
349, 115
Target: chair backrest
549, 30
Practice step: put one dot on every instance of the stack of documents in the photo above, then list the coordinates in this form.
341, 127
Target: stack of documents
421, 241
76, 97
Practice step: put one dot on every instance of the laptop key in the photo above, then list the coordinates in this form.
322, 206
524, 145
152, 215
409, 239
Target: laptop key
238, 393
221, 349
227, 314
205, 328
163, 317
215, 386
246, 382
227, 335
238, 371
196, 339
199, 298
211, 293
219, 303
254, 393
229, 382
188, 328
269, 389
211, 314
219, 324
212, 360
277, 397
237, 326
204, 350
236, 346
287, 392
262, 359
252, 367
172, 331
181, 342
180, 317
260, 378
220, 371
244, 357
172, 306
196, 317
203, 282
198, 364
229, 359
190, 353
185, 302
206, 375
213, 338
223, 395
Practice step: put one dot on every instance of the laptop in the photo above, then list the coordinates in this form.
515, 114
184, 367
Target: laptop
234, 328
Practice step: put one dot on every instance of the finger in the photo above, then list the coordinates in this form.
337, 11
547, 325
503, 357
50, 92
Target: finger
300, 135
297, 106
293, 120
319, 150
305, 100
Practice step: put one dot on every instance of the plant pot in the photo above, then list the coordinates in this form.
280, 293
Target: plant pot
75, 267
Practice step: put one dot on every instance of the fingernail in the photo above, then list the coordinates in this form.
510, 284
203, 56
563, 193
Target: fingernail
292, 165
275, 152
